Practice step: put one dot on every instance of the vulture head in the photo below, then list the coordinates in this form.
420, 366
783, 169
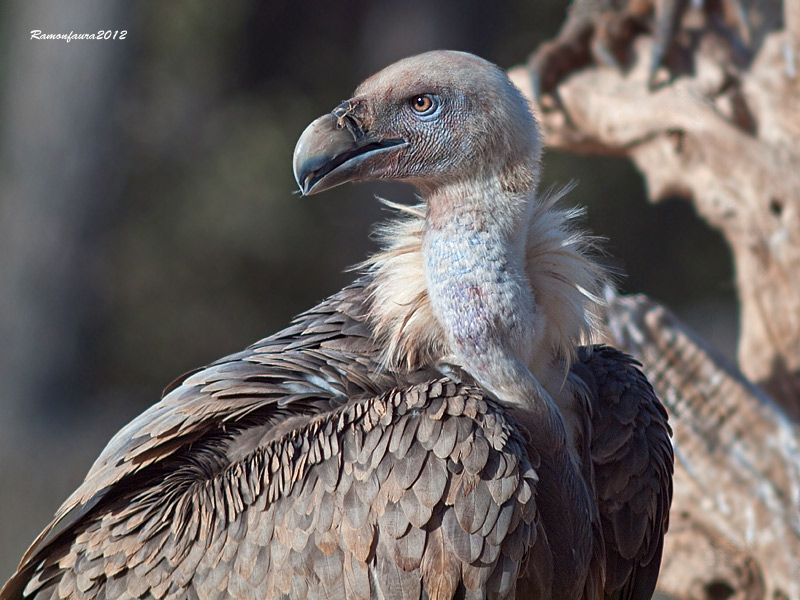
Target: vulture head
486, 276
429, 120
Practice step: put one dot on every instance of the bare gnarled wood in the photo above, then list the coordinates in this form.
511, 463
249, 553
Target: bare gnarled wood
728, 140
736, 513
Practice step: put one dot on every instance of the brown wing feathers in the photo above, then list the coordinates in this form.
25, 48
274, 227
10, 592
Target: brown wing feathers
633, 463
433, 489
430, 485
350, 501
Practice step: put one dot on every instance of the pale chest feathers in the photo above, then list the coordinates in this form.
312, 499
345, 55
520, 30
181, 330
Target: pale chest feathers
544, 314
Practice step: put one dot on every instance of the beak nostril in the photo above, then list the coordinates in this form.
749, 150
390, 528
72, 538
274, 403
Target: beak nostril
348, 117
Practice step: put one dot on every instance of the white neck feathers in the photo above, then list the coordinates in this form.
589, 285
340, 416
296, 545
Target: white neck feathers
565, 280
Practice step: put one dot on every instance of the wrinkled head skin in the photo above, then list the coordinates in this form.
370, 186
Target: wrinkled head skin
428, 120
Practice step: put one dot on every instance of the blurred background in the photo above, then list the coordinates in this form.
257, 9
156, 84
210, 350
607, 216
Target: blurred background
148, 217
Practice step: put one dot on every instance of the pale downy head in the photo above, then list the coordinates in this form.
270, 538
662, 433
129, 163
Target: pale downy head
433, 119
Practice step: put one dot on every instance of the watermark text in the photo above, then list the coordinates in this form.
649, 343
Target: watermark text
102, 34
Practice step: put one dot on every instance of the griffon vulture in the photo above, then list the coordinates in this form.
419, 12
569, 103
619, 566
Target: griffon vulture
434, 430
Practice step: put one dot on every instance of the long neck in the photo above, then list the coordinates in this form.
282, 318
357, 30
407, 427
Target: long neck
474, 266
522, 268
474, 246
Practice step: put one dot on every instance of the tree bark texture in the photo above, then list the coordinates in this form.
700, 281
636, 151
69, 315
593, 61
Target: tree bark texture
728, 139
735, 518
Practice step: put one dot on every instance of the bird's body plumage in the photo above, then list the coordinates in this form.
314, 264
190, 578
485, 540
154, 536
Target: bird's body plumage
433, 430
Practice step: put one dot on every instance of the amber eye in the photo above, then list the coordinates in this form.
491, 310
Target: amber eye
424, 104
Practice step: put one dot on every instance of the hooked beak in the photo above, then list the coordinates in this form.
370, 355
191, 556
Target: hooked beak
331, 152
